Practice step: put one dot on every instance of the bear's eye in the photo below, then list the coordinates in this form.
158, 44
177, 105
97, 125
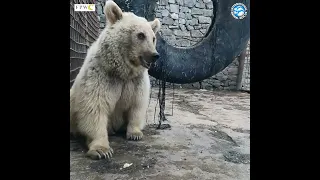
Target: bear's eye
154, 39
141, 36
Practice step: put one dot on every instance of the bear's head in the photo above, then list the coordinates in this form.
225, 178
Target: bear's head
134, 36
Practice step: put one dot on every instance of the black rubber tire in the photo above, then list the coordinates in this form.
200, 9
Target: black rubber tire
226, 38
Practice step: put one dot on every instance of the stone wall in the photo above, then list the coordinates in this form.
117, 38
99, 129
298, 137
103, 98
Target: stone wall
183, 24
245, 83
101, 17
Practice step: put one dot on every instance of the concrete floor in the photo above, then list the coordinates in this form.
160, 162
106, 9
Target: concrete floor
209, 139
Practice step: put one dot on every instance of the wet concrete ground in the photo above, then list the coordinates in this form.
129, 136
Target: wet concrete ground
209, 139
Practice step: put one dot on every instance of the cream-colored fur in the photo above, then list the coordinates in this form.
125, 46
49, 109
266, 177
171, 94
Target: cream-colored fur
111, 91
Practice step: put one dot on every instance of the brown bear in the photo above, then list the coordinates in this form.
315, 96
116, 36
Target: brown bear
111, 91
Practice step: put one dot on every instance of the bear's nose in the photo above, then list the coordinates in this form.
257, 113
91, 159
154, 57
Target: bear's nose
155, 56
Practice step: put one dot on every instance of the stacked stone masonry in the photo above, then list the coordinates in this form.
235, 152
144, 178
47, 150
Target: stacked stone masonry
183, 24
245, 84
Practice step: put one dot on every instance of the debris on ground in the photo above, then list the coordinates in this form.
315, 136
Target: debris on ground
127, 165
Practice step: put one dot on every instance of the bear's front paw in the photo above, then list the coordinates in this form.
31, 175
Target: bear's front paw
134, 135
100, 152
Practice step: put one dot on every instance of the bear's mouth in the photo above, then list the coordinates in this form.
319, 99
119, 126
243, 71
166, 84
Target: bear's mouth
144, 63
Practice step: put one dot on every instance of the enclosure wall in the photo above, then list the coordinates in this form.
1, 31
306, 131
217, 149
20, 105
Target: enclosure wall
84, 29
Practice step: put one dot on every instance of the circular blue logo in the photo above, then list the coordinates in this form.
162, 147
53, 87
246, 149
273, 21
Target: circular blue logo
239, 11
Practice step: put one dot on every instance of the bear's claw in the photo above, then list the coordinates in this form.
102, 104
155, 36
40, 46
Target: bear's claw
135, 136
100, 153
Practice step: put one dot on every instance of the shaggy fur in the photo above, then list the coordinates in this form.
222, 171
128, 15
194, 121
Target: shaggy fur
111, 91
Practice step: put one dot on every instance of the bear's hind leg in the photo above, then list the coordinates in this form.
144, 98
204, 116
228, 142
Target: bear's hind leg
117, 121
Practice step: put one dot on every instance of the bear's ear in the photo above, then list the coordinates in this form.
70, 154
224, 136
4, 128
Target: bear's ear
155, 25
112, 11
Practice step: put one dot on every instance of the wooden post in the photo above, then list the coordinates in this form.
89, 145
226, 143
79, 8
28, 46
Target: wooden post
242, 58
